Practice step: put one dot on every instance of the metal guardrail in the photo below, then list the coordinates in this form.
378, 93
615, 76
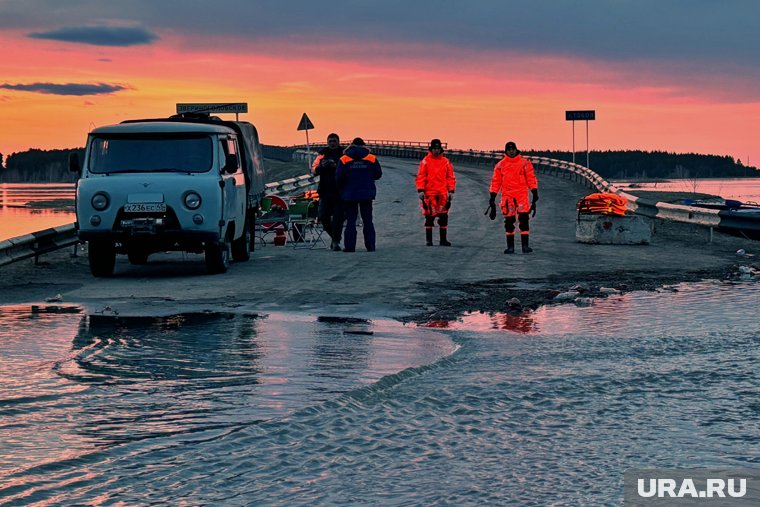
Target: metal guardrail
290, 185
581, 174
37, 243
379, 142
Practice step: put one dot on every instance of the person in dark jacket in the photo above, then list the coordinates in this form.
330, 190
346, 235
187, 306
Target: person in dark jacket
330, 207
357, 172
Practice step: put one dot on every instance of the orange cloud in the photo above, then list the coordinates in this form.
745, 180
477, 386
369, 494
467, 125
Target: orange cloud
475, 102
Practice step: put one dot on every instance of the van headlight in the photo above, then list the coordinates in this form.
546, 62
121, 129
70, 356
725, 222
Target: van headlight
99, 201
192, 200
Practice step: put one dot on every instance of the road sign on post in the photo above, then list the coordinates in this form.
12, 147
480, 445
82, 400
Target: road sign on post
580, 115
306, 125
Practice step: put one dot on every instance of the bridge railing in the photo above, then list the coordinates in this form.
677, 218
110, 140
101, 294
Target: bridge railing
585, 176
37, 243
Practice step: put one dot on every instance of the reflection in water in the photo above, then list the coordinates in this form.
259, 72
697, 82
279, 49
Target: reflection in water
26, 208
234, 410
73, 387
521, 323
621, 315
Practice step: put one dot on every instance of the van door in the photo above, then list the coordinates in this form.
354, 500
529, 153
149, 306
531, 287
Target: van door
234, 187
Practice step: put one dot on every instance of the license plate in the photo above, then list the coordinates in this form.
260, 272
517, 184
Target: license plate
145, 207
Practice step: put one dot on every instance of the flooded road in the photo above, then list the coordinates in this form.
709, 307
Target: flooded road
225, 409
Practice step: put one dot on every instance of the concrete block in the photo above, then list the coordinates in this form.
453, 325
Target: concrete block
613, 230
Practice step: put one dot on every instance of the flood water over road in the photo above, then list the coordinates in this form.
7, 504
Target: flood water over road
550, 406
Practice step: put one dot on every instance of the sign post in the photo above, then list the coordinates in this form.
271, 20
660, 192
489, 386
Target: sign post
580, 115
306, 124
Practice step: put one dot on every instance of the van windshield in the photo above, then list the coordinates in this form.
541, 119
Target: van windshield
161, 153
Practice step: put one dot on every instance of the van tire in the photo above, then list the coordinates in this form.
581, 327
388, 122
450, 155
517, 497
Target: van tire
241, 247
101, 255
217, 257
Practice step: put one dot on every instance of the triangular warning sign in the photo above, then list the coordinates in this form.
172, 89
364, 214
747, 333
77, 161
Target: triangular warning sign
305, 123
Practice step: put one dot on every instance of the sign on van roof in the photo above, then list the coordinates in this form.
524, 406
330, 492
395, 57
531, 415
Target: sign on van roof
234, 107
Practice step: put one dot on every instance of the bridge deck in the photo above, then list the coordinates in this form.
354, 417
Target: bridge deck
403, 276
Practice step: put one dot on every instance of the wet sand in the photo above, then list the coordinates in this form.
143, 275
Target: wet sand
403, 279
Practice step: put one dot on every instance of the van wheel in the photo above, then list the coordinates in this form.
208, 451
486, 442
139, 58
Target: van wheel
102, 257
217, 257
241, 248
137, 256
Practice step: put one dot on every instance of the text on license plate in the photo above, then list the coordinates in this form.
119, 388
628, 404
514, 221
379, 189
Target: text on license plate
145, 207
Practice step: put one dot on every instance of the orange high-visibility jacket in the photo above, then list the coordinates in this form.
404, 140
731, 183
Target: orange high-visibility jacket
513, 177
435, 176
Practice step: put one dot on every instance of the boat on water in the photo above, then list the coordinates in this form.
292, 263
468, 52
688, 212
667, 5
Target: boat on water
736, 218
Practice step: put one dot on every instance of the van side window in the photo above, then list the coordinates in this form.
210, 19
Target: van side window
227, 146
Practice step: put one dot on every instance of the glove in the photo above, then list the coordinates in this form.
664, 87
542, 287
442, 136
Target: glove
533, 203
451, 196
329, 163
421, 195
491, 211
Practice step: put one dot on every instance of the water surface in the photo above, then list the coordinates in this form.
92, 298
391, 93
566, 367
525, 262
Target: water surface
233, 410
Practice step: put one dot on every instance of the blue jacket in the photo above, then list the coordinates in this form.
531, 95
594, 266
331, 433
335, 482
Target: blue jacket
356, 174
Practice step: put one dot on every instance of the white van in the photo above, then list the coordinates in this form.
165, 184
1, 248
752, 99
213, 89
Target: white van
190, 183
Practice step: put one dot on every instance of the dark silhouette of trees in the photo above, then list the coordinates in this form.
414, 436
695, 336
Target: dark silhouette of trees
39, 166
43, 166
636, 164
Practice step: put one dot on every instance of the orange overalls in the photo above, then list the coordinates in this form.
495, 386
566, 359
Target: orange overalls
514, 178
436, 179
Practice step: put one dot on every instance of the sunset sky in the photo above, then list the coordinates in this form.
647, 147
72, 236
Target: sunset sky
674, 75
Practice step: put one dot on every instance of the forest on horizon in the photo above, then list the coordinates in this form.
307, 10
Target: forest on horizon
51, 166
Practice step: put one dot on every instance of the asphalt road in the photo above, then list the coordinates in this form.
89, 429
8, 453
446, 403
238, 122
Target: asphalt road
403, 276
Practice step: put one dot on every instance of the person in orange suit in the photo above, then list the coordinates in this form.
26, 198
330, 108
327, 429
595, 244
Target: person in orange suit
514, 177
435, 186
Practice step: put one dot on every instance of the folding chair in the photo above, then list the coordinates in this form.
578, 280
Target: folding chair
274, 217
305, 230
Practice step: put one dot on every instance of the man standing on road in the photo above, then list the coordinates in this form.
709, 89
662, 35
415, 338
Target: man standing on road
435, 186
330, 208
513, 176
357, 172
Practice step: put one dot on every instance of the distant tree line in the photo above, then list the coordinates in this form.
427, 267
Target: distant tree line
39, 166
636, 164
42, 166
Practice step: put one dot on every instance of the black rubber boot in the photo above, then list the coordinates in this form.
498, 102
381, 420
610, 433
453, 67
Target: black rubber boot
524, 239
443, 241
510, 245
429, 236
